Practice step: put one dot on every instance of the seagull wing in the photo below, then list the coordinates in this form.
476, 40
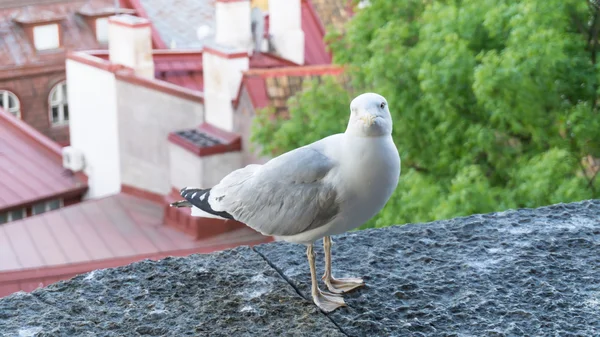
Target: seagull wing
286, 196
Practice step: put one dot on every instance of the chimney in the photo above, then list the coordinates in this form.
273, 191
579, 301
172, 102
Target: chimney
222, 72
234, 29
130, 44
285, 28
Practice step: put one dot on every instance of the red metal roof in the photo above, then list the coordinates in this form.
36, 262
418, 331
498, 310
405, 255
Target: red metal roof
95, 234
315, 49
31, 166
257, 82
184, 67
180, 68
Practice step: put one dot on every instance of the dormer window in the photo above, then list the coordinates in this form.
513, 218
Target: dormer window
96, 15
43, 28
46, 37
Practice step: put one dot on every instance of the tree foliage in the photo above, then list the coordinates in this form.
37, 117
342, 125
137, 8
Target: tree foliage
495, 102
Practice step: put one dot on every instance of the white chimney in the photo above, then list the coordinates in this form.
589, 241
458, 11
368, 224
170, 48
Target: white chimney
233, 25
285, 28
222, 73
130, 43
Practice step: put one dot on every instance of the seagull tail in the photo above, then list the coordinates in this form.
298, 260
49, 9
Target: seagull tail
199, 198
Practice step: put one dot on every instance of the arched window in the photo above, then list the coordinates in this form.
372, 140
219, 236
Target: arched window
59, 106
10, 103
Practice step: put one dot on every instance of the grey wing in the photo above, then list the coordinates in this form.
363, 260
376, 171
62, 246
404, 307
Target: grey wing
286, 196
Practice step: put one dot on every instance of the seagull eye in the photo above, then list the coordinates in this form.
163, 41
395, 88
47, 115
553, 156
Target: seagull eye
382, 105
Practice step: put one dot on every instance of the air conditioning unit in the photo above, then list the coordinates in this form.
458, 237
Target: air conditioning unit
73, 159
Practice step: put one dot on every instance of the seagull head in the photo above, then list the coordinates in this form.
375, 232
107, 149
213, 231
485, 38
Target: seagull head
369, 116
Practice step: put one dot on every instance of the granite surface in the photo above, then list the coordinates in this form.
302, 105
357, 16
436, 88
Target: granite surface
530, 272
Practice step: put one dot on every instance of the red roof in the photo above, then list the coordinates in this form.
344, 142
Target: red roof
184, 67
258, 81
95, 234
31, 166
315, 50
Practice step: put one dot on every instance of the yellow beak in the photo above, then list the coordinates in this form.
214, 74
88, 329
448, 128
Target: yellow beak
368, 119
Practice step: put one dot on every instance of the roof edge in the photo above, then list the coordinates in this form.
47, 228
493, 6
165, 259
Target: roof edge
327, 69
72, 192
315, 16
142, 194
84, 267
126, 74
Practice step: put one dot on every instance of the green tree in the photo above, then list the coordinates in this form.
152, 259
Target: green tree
495, 102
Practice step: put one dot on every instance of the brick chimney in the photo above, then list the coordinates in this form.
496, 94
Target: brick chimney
233, 24
285, 28
130, 44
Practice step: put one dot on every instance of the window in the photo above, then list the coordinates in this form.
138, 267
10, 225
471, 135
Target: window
59, 106
12, 215
46, 37
10, 103
46, 206
16, 215
102, 30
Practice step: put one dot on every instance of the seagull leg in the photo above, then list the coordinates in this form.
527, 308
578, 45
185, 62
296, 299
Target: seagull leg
327, 302
337, 286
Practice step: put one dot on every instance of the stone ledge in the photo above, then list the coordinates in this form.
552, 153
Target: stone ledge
525, 272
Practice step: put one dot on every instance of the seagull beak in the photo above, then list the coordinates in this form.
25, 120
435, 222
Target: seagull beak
368, 119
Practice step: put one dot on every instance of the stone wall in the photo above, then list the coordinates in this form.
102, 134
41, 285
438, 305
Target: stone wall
516, 273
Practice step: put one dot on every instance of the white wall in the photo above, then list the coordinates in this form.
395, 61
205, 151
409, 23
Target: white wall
217, 166
285, 26
222, 79
202, 172
187, 170
94, 127
146, 117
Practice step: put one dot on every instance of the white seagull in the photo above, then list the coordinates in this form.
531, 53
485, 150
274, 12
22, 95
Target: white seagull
325, 188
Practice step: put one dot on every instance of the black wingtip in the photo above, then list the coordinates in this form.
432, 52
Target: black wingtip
199, 198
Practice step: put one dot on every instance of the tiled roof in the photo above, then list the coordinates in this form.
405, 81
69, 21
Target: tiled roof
15, 47
31, 166
95, 234
178, 20
333, 13
273, 87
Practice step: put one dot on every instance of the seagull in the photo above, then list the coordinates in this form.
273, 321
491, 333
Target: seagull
326, 188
